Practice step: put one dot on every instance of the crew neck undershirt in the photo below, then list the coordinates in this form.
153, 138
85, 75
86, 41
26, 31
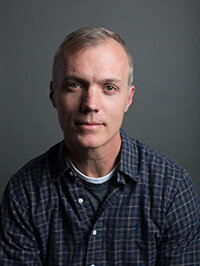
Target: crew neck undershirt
94, 180
96, 188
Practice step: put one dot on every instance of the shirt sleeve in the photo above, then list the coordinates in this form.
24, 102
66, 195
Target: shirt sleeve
18, 245
181, 240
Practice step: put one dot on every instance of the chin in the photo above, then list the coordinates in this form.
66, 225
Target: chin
90, 144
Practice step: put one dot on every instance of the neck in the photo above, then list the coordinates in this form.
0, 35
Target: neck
95, 162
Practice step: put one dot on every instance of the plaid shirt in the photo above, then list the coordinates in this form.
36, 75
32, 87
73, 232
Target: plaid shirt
150, 216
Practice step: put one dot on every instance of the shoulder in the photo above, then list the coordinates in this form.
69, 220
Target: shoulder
158, 173
163, 185
32, 177
146, 156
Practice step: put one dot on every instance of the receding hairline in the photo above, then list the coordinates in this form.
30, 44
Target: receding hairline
89, 37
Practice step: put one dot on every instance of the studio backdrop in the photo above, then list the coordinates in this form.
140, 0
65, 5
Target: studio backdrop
164, 40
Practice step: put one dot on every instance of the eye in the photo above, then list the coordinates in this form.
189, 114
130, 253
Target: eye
110, 88
73, 85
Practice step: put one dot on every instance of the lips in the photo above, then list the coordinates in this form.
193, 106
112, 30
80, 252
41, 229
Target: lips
85, 122
91, 125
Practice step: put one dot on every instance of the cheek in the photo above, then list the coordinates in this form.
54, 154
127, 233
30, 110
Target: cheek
68, 104
115, 115
64, 113
117, 108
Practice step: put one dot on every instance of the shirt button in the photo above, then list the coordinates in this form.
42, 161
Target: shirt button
92, 264
94, 232
80, 200
71, 173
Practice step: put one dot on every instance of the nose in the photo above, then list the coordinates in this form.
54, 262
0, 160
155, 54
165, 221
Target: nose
90, 100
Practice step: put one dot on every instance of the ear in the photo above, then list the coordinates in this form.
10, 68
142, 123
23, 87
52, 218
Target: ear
130, 97
52, 93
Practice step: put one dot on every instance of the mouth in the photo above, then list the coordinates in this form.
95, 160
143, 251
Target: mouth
92, 125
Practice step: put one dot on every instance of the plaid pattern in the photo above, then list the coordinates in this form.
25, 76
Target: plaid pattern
150, 217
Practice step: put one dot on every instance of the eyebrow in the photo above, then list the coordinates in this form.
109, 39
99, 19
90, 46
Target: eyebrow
118, 81
83, 81
75, 78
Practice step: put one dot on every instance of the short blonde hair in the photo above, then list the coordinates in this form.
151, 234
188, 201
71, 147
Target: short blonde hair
87, 37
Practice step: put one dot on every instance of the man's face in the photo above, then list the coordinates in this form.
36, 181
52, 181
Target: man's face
91, 95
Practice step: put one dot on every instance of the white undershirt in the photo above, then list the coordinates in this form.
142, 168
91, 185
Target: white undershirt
95, 180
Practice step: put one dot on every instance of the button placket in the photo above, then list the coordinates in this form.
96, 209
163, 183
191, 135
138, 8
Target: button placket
95, 243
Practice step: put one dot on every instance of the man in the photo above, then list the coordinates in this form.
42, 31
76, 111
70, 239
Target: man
98, 197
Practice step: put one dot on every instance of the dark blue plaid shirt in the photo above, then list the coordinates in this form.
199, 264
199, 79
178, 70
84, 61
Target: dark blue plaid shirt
151, 215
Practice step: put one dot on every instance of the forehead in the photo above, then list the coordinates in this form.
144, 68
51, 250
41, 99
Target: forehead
108, 46
104, 55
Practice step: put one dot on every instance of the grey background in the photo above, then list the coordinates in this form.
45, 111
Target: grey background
164, 39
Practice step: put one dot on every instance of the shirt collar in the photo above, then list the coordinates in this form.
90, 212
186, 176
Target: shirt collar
129, 158
128, 165
58, 160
